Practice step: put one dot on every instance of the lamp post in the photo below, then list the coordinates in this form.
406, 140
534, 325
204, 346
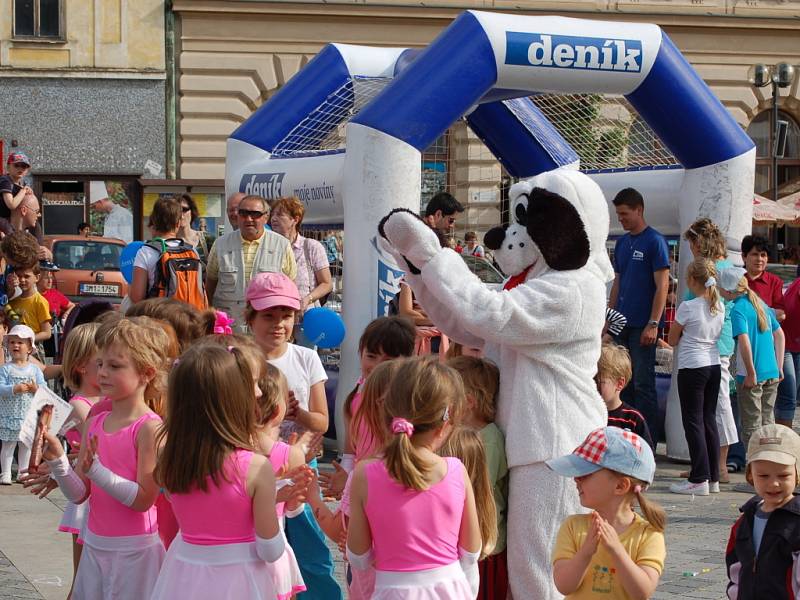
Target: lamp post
778, 76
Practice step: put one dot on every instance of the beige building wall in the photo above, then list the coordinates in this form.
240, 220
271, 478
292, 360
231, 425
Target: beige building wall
234, 55
99, 36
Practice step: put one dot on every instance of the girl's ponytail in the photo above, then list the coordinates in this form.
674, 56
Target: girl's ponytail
744, 287
651, 510
402, 460
702, 270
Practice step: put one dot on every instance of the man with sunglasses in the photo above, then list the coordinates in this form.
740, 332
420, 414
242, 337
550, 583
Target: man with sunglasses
239, 255
12, 188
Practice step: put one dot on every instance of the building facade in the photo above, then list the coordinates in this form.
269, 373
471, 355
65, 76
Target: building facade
83, 86
233, 55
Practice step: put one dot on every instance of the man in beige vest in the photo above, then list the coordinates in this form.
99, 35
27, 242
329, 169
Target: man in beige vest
239, 255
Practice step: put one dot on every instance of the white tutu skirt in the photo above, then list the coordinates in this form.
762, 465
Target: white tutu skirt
441, 583
123, 568
286, 575
224, 572
73, 518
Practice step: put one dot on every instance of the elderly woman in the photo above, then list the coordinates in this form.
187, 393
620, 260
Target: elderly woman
706, 241
190, 214
313, 272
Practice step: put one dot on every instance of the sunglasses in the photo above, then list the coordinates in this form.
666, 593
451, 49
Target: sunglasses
185, 209
21, 165
250, 214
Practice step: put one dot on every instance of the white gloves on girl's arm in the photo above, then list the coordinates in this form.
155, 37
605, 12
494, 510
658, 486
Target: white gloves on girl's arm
348, 462
121, 489
270, 549
469, 564
360, 561
71, 485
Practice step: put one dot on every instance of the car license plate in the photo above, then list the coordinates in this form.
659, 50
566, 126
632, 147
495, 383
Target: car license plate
98, 289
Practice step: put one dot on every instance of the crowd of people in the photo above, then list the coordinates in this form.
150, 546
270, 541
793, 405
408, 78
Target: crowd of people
190, 462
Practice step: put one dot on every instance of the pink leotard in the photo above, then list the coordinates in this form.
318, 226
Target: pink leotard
73, 435
364, 443
279, 458
413, 530
118, 452
223, 514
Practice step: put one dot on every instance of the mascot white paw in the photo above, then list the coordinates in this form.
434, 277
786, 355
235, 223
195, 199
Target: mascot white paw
409, 238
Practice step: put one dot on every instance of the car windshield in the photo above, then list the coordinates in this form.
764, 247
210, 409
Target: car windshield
87, 255
483, 269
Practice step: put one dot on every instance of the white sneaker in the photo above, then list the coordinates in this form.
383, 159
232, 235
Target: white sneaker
714, 487
5, 480
690, 489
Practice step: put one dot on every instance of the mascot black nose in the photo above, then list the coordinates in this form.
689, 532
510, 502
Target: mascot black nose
494, 238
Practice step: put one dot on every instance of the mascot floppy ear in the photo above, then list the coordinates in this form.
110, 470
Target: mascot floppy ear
557, 229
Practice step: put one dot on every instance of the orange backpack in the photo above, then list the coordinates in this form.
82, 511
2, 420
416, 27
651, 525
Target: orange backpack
179, 273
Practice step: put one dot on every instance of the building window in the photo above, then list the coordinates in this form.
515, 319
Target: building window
761, 132
38, 19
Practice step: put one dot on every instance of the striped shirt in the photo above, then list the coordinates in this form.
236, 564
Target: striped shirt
627, 417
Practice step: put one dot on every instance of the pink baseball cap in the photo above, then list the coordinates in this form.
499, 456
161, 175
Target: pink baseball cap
267, 290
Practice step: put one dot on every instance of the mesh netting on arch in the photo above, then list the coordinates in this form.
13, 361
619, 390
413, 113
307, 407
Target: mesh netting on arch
605, 130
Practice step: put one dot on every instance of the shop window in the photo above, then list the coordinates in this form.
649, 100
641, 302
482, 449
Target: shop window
39, 20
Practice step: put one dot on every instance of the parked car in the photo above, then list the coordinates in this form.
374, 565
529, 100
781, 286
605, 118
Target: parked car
485, 270
786, 272
89, 267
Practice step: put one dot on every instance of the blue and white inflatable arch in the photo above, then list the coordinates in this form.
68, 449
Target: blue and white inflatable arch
483, 67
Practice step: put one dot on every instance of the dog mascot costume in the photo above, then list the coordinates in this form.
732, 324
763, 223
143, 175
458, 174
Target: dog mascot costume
543, 330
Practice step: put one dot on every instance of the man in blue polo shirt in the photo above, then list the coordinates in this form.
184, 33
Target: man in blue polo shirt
641, 282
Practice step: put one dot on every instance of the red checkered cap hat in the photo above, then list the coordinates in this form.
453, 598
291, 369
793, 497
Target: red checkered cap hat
610, 448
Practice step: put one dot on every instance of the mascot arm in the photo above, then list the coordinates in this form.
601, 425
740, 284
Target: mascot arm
447, 320
537, 312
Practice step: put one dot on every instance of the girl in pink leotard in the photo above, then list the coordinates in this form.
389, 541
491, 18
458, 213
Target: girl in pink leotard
122, 552
383, 339
283, 458
79, 368
223, 493
412, 512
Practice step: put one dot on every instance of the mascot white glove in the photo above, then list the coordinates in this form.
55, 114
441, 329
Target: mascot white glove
410, 239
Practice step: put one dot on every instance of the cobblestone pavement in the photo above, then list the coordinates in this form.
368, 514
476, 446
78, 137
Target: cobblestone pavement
35, 560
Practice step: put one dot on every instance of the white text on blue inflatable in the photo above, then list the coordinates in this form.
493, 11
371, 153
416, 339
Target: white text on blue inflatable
573, 52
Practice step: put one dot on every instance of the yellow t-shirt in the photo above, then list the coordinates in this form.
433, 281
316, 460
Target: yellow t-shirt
644, 545
32, 311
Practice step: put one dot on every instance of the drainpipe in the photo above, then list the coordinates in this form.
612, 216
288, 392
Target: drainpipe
171, 92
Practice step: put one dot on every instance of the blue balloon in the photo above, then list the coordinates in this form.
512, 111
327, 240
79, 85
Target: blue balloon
323, 327
126, 260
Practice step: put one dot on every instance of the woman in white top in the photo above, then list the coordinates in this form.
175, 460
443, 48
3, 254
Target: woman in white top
197, 239
472, 248
164, 222
696, 330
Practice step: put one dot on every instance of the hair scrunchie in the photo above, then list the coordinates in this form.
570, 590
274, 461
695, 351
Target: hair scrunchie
637, 489
222, 323
401, 425
710, 281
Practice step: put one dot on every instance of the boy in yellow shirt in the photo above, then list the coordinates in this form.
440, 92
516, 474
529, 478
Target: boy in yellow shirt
31, 306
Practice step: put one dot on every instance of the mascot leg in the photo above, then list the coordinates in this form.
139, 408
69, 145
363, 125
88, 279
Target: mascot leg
538, 501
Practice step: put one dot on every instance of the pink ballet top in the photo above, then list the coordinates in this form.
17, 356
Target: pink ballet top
73, 435
279, 458
118, 453
223, 514
414, 530
364, 443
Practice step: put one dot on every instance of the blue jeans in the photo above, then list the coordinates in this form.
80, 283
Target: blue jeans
786, 401
313, 556
640, 392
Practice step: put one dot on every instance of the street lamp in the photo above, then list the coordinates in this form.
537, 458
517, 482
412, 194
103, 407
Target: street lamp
779, 76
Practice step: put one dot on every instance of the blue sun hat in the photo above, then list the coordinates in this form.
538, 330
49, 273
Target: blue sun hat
609, 448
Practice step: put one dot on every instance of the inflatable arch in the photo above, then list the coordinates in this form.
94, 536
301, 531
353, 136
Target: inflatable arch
483, 67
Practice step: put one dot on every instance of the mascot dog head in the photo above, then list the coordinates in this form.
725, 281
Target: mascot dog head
559, 221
